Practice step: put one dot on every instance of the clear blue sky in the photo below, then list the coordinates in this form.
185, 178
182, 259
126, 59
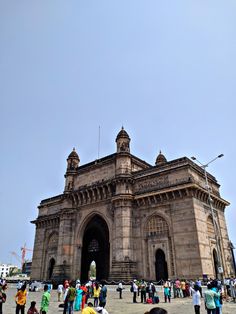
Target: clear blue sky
166, 70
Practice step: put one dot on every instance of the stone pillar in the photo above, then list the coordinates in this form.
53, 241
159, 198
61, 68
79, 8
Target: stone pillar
123, 266
37, 260
65, 253
186, 239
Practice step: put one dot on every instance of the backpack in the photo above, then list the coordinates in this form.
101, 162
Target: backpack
156, 299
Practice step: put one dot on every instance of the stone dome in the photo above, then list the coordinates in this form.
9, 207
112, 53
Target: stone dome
122, 134
73, 154
161, 159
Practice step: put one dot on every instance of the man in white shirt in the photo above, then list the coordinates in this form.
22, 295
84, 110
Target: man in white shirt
59, 292
120, 288
135, 290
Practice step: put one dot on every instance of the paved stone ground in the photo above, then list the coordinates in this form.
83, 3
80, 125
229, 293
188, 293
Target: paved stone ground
115, 305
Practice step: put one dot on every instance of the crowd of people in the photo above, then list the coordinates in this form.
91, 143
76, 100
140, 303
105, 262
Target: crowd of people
214, 295
75, 296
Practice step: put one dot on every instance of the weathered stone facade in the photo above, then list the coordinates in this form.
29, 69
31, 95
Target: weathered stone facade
133, 219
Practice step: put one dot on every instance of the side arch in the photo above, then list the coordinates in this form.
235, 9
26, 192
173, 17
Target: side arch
158, 247
50, 254
161, 265
51, 266
213, 232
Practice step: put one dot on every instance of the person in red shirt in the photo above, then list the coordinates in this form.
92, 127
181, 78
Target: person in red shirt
85, 291
32, 309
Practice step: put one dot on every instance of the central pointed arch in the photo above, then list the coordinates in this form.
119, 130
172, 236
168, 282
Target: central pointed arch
95, 248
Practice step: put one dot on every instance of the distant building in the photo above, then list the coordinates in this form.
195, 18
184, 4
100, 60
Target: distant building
26, 268
5, 270
133, 219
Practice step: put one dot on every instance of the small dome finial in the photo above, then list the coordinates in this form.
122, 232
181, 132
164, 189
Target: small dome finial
122, 134
122, 141
161, 159
73, 160
73, 154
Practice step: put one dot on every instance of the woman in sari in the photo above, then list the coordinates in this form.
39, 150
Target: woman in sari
84, 295
78, 299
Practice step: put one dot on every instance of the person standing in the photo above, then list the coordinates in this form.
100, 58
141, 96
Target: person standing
71, 294
20, 299
177, 287
199, 283
183, 288
120, 289
84, 294
45, 300
217, 288
96, 293
59, 292
103, 295
166, 292
78, 299
196, 298
232, 284
135, 290
143, 287
209, 299
3, 295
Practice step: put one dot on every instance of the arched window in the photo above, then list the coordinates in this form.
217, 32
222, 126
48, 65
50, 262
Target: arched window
157, 226
53, 241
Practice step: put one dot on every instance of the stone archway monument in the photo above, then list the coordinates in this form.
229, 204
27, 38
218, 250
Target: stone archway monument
118, 211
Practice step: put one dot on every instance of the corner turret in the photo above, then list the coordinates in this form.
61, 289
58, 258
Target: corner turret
72, 166
122, 141
161, 159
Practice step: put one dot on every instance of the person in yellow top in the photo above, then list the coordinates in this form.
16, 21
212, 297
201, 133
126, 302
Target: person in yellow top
89, 309
183, 288
96, 293
20, 299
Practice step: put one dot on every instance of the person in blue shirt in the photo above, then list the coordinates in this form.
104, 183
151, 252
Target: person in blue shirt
217, 298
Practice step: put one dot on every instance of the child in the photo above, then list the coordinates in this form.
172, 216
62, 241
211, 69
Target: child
32, 309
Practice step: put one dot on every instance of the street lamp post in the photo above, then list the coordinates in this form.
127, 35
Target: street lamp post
210, 200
